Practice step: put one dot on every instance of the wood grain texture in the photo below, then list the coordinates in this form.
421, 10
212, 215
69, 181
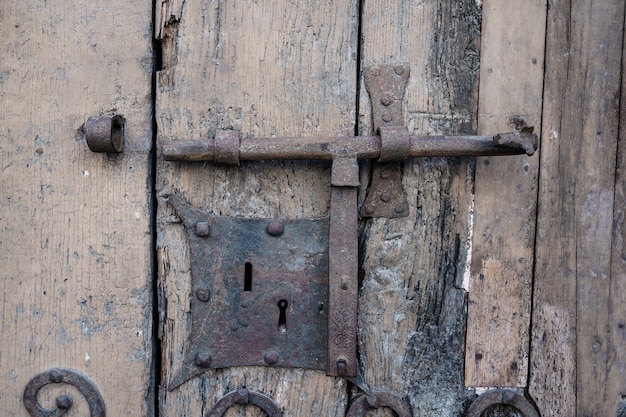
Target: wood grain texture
265, 68
412, 305
511, 81
616, 349
574, 370
74, 225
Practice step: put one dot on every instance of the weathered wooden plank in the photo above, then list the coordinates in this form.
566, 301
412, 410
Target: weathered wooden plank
412, 304
572, 311
616, 349
511, 81
265, 68
74, 225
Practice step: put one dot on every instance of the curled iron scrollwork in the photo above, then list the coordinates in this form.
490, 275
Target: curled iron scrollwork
64, 402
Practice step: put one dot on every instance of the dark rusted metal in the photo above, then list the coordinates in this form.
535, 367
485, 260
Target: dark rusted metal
203, 294
105, 133
275, 228
203, 229
521, 139
226, 144
503, 397
359, 147
244, 397
386, 197
345, 172
265, 293
395, 143
386, 85
378, 399
343, 282
64, 402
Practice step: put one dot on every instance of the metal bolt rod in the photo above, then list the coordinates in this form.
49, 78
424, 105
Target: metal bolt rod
361, 147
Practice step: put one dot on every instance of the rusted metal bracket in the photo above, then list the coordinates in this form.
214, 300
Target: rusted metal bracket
64, 402
504, 397
386, 85
243, 397
386, 197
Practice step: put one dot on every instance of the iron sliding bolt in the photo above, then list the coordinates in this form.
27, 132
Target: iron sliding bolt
335, 147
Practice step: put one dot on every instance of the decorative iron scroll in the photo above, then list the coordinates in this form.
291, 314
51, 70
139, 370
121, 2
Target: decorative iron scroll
64, 402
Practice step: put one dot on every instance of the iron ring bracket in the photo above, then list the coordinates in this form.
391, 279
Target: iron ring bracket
64, 402
378, 399
504, 397
243, 396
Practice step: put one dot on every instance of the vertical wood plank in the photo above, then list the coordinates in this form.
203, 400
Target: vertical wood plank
616, 349
511, 81
75, 226
572, 362
265, 68
412, 303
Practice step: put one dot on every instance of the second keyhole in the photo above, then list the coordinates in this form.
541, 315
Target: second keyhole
282, 316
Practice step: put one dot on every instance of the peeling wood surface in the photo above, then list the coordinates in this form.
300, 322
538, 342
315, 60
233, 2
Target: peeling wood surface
576, 368
265, 68
511, 82
74, 225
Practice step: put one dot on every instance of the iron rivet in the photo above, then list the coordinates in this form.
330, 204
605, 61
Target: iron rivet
399, 209
385, 101
203, 229
271, 357
243, 321
55, 376
344, 282
385, 173
275, 228
203, 294
64, 402
375, 71
398, 69
373, 401
203, 360
385, 197
387, 117
369, 210
242, 396
341, 367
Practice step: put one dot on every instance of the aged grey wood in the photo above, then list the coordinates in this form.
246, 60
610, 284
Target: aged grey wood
574, 367
75, 242
511, 83
412, 304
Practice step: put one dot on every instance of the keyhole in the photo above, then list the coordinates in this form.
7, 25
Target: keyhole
247, 280
282, 317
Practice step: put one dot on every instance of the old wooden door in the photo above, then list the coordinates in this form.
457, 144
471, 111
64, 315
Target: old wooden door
293, 68
95, 263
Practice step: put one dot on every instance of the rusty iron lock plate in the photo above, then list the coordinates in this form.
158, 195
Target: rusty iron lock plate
259, 292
